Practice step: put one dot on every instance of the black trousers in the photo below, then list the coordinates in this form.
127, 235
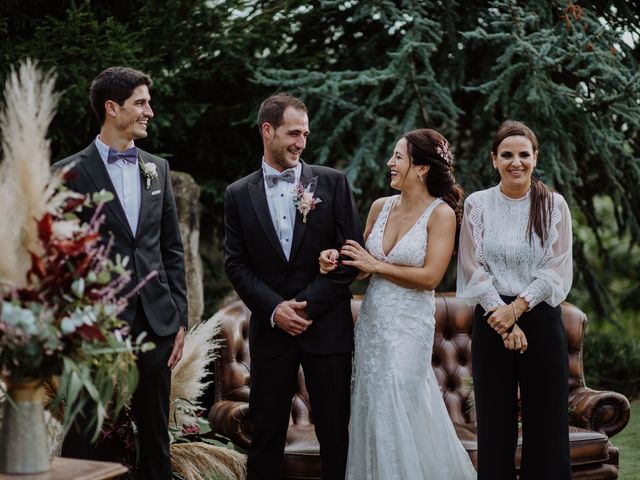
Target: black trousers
150, 408
150, 403
542, 373
273, 384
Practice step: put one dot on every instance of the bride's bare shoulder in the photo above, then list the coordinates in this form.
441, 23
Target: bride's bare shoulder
374, 211
376, 208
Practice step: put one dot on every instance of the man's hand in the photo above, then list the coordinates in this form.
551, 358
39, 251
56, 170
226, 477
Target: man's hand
291, 317
516, 340
178, 345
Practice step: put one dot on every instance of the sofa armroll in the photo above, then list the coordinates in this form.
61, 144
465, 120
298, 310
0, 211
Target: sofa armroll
603, 411
231, 419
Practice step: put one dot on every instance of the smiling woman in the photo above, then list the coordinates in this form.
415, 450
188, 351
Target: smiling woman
409, 241
514, 153
515, 266
515, 160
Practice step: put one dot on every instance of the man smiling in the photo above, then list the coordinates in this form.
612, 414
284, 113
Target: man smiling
143, 225
298, 317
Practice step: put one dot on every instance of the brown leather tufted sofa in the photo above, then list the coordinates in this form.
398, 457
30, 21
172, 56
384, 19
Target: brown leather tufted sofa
594, 415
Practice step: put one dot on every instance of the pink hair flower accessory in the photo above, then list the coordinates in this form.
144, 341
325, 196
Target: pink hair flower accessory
443, 150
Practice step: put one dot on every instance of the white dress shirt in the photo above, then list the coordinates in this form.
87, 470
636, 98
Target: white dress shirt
280, 198
125, 177
496, 258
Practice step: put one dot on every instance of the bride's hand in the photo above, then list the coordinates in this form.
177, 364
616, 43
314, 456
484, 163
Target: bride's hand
328, 260
360, 258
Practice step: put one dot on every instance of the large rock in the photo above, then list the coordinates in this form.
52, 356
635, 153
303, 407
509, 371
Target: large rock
187, 193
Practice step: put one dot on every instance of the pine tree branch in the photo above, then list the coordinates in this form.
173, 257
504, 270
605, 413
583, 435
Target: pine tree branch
416, 88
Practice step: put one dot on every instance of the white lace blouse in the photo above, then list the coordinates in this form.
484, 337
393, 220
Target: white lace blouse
496, 258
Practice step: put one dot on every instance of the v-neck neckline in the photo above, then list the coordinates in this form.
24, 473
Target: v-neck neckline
386, 221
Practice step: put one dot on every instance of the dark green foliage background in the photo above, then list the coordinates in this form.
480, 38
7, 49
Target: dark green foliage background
612, 362
369, 71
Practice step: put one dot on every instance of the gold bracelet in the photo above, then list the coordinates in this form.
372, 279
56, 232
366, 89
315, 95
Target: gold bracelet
515, 315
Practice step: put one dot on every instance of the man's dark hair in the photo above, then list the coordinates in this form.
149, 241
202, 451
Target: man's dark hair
272, 109
117, 84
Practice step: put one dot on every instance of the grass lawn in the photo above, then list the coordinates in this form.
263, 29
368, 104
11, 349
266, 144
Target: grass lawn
628, 441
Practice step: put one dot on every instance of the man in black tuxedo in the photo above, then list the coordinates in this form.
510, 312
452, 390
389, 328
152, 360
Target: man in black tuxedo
298, 316
143, 222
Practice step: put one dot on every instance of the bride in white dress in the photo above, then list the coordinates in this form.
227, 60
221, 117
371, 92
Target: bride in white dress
400, 428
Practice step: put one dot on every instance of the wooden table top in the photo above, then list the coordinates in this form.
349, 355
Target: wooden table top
74, 469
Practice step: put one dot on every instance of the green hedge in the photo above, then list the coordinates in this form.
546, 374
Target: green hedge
612, 362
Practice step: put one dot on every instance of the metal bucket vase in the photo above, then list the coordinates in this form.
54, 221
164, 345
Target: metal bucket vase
23, 440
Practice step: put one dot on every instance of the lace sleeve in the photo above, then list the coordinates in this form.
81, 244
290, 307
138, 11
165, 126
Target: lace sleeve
553, 277
474, 282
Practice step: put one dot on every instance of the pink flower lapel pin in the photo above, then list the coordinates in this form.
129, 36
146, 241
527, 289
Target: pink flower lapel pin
305, 199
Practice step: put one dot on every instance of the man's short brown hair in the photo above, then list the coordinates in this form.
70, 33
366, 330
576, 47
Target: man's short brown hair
272, 109
117, 84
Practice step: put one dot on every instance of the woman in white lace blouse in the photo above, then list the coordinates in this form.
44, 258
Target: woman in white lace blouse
515, 264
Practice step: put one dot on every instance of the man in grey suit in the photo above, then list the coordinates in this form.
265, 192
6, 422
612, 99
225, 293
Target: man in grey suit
143, 224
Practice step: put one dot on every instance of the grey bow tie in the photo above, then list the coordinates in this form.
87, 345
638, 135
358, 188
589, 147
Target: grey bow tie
288, 176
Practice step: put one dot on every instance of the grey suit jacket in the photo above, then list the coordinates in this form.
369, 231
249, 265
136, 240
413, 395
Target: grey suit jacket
156, 245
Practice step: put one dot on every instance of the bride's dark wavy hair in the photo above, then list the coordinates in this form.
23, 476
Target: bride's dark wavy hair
428, 147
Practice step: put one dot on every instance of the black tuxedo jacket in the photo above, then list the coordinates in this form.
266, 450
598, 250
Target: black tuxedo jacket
156, 245
262, 276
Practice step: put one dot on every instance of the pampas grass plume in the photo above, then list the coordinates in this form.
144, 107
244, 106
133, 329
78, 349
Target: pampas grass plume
202, 461
187, 378
25, 176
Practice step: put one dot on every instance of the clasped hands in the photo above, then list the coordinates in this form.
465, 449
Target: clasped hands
502, 318
291, 317
359, 258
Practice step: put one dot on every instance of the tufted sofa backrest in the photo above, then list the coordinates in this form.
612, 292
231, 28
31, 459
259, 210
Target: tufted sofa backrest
451, 360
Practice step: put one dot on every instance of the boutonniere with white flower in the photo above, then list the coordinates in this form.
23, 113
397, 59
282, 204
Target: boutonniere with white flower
305, 199
148, 170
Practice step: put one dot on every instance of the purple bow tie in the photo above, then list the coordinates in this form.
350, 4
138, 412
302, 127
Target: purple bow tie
130, 155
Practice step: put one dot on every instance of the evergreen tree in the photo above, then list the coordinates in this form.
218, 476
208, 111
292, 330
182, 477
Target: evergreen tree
462, 68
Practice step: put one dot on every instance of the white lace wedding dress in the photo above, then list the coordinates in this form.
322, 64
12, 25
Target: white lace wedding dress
400, 428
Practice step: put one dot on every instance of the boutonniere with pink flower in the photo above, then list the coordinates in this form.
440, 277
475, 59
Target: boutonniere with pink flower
148, 170
305, 199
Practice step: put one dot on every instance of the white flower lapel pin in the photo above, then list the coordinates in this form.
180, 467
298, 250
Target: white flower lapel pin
148, 170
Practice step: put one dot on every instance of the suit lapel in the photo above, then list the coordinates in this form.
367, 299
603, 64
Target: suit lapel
258, 198
97, 173
300, 227
145, 195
